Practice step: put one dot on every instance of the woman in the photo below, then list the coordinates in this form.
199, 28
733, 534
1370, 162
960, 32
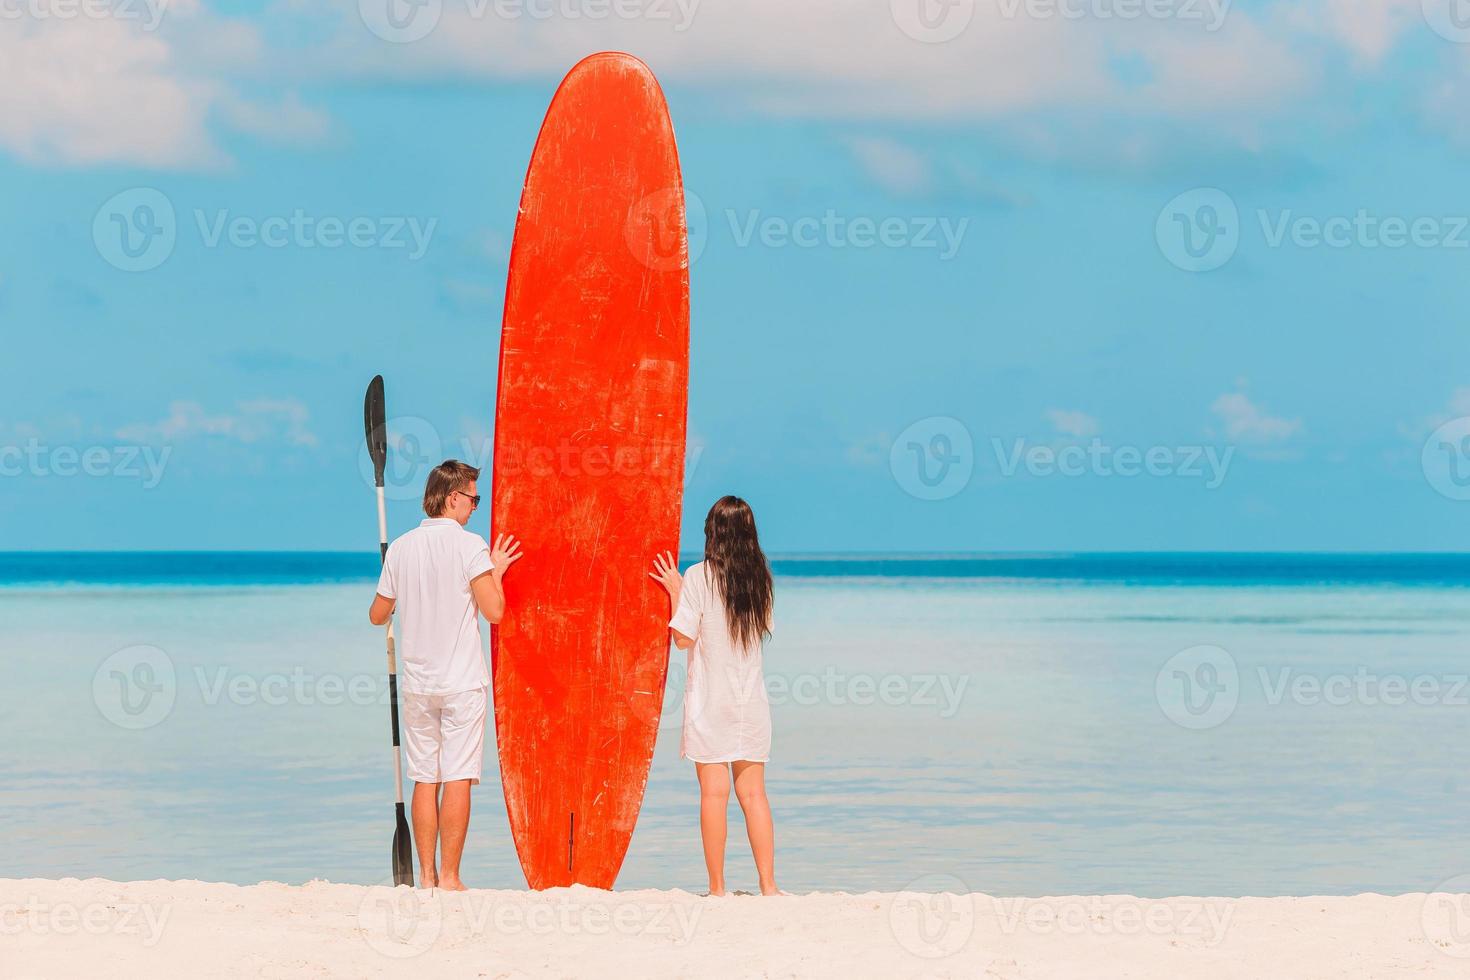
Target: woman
722, 611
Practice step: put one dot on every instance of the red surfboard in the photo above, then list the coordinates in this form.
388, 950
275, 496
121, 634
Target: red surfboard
589, 468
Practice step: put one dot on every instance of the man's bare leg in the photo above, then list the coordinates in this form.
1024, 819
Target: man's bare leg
454, 823
426, 830
714, 800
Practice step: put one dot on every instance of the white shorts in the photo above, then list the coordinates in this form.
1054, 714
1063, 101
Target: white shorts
444, 735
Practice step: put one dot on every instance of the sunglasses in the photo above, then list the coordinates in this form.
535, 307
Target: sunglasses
474, 501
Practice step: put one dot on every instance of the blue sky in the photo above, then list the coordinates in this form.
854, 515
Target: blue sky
1035, 322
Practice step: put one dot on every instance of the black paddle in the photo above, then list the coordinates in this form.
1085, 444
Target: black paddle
375, 420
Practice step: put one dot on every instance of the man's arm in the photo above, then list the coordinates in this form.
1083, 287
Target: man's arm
489, 595
381, 611
486, 588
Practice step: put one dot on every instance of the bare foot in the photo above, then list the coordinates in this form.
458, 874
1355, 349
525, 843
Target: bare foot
770, 889
715, 891
451, 883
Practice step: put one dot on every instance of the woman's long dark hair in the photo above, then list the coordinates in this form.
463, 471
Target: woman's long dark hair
732, 553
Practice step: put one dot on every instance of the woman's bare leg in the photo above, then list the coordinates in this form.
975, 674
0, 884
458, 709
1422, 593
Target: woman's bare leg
750, 790
714, 800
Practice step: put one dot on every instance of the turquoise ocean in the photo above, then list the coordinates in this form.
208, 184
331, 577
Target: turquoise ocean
1171, 724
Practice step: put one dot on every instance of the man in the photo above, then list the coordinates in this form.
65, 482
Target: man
438, 576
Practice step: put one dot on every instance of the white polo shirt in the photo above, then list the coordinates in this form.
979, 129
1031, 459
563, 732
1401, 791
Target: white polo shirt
428, 572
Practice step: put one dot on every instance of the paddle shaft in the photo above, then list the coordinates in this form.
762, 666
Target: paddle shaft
392, 657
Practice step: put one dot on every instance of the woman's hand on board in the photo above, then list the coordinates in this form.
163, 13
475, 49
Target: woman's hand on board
666, 573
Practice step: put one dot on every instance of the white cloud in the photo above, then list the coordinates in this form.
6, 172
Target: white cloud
284, 121
91, 90
1077, 424
893, 166
1367, 28
263, 420
1245, 421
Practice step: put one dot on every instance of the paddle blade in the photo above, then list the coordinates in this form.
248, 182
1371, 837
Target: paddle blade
402, 851
375, 423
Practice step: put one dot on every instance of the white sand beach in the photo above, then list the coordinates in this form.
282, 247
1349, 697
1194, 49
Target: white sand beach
101, 928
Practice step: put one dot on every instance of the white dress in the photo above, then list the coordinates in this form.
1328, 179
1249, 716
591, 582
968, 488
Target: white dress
727, 715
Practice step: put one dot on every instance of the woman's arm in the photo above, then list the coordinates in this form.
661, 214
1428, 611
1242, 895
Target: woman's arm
666, 573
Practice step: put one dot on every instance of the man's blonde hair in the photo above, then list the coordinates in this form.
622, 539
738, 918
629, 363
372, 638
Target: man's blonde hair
448, 476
